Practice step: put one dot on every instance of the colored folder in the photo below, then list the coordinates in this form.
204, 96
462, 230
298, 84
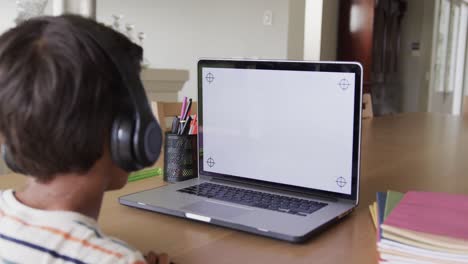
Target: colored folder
393, 198
435, 221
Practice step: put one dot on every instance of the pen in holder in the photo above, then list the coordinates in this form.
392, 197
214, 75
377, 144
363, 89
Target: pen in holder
180, 157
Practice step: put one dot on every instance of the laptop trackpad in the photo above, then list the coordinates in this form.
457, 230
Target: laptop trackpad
215, 209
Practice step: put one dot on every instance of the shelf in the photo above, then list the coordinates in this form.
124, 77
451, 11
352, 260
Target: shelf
163, 84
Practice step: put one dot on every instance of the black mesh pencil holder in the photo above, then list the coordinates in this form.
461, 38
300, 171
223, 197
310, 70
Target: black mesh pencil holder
180, 157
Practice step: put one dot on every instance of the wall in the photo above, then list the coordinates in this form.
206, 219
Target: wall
329, 33
427, 34
414, 67
180, 32
7, 14
296, 30
313, 29
465, 84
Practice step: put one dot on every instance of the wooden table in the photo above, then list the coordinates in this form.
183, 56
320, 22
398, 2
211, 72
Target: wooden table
405, 152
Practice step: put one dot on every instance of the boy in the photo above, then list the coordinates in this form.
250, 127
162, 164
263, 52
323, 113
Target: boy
59, 93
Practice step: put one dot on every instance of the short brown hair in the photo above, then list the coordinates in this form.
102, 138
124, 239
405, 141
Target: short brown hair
59, 93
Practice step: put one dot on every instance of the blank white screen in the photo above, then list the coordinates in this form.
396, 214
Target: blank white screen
290, 127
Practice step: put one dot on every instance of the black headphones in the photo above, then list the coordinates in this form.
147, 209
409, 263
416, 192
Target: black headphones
136, 136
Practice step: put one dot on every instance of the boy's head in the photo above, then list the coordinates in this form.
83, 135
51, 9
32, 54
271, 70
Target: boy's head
59, 93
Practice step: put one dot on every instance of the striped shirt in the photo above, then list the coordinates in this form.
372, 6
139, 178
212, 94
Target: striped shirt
29, 235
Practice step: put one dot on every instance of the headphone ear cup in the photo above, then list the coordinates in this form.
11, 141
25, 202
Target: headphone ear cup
153, 141
121, 146
6, 155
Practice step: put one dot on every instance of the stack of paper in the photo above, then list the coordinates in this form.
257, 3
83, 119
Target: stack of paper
421, 227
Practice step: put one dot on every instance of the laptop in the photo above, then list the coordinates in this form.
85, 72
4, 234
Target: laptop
278, 148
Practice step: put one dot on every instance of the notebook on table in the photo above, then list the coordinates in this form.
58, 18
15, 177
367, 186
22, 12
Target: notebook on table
426, 227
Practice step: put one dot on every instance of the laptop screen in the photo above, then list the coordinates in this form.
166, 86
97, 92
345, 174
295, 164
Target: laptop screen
284, 123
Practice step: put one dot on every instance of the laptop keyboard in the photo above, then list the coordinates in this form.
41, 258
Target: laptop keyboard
280, 203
